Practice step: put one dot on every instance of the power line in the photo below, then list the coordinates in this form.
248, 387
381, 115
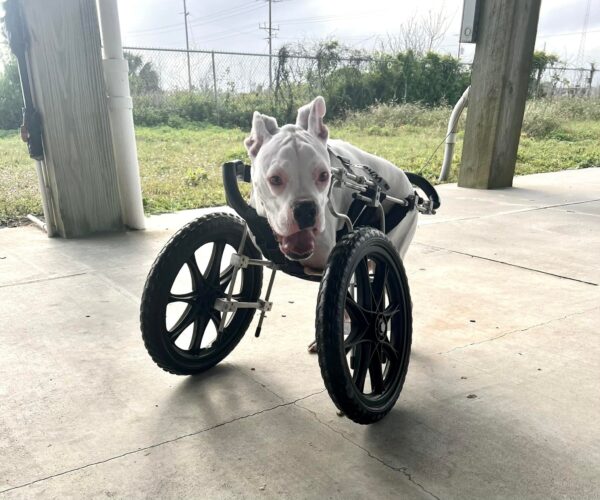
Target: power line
324, 19
212, 19
568, 33
219, 15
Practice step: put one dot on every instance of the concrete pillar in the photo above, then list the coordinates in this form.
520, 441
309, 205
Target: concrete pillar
65, 63
500, 76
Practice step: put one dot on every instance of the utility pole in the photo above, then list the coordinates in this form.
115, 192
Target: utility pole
187, 44
579, 61
269, 29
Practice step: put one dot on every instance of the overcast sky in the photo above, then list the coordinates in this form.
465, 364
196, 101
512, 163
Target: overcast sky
234, 24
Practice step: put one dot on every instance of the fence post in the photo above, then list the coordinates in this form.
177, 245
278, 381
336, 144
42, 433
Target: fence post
216, 95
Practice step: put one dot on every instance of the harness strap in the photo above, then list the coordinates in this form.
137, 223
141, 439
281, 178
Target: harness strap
363, 215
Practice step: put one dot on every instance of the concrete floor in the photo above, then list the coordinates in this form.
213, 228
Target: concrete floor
501, 399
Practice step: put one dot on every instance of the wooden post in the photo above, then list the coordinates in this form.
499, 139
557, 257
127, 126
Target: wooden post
64, 58
499, 80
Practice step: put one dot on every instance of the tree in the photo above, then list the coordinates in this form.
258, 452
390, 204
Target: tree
143, 78
11, 99
419, 34
540, 63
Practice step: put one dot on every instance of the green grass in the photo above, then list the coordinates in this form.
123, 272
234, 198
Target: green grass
180, 168
19, 192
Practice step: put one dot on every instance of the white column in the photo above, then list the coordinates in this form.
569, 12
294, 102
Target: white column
120, 108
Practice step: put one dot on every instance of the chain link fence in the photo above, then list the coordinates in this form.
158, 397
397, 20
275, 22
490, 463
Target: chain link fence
210, 71
172, 86
238, 72
570, 82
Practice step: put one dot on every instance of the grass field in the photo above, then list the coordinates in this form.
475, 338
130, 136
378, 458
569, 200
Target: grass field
180, 168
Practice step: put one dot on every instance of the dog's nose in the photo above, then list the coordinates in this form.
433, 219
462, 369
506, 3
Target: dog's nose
305, 213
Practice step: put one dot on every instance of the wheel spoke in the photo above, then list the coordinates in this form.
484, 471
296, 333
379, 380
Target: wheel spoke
225, 278
365, 312
363, 287
390, 312
186, 319
350, 344
360, 374
215, 317
375, 372
389, 349
197, 279
370, 298
199, 329
213, 268
378, 285
182, 297
355, 311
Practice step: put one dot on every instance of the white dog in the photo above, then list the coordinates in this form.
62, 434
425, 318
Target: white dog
291, 175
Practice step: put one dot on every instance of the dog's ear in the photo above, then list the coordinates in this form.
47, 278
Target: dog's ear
310, 117
263, 128
315, 123
302, 116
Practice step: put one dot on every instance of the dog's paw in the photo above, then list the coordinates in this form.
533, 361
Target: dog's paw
312, 347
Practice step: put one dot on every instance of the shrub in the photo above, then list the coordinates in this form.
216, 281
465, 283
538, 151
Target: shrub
11, 100
398, 115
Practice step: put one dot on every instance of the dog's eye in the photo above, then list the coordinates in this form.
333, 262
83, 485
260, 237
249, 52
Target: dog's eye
275, 180
323, 176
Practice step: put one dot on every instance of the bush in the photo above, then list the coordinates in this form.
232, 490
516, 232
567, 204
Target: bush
568, 108
539, 123
179, 109
548, 117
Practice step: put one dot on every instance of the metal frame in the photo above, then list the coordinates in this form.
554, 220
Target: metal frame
229, 305
365, 189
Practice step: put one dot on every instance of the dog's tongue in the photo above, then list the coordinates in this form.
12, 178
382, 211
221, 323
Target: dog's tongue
300, 243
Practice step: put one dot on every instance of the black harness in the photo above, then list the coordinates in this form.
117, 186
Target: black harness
362, 214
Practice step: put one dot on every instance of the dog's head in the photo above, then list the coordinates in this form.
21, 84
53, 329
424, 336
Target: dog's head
291, 174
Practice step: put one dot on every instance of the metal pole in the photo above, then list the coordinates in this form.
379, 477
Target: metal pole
214, 72
451, 134
187, 45
270, 49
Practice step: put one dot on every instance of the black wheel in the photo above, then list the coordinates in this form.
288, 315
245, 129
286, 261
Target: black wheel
364, 325
178, 321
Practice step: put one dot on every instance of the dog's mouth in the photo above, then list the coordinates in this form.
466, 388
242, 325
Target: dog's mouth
298, 246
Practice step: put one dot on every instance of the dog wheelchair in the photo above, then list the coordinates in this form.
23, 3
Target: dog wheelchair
211, 272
